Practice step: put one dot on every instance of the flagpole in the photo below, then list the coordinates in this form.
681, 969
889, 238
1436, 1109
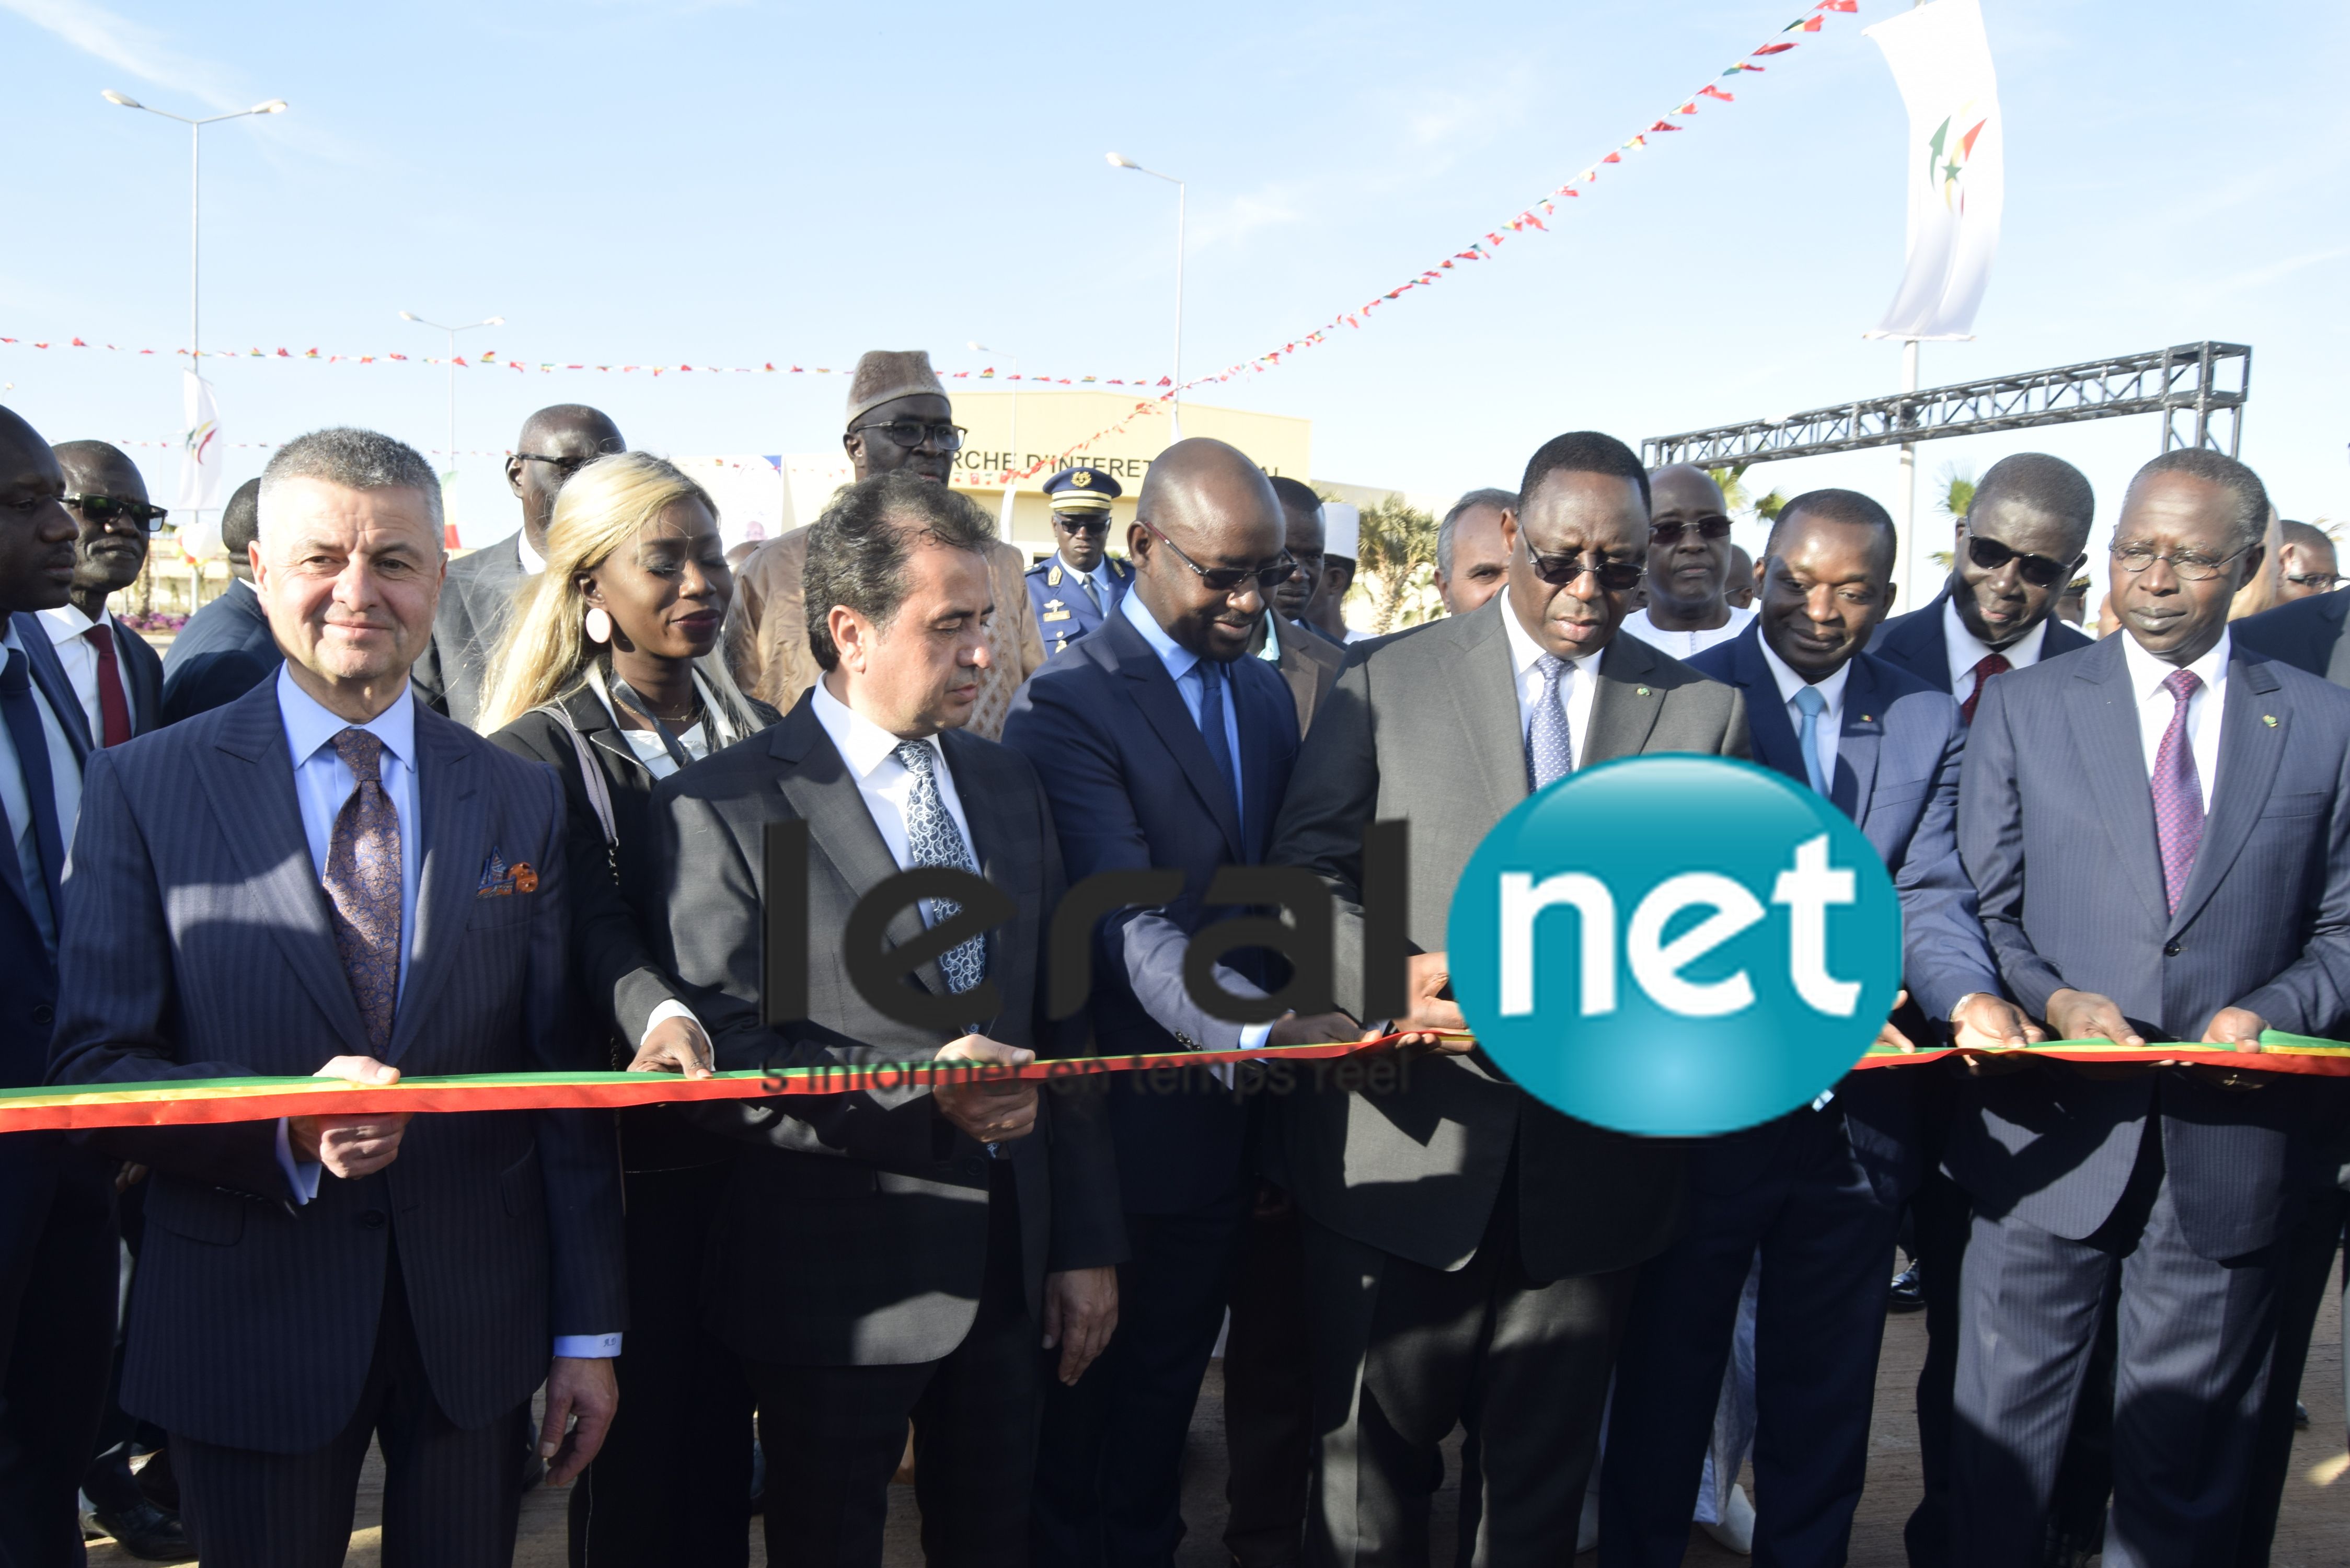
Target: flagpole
1910, 542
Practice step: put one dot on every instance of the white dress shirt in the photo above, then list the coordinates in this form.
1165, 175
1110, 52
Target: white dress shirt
1577, 685
69, 631
871, 753
1271, 651
533, 563
1184, 666
1686, 644
2155, 707
1831, 691
1967, 650
65, 785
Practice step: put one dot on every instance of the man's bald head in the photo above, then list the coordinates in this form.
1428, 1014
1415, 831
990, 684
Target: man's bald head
555, 442
111, 549
1221, 512
101, 468
37, 532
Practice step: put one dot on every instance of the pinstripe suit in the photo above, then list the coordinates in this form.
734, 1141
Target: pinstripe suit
2187, 1181
197, 945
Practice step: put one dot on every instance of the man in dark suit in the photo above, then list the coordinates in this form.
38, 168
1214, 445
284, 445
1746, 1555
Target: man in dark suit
56, 1226
2306, 633
555, 442
2159, 830
1161, 744
322, 878
1074, 589
1450, 1282
225, 649
899, 1252
117, 678
2013, 554
1309, 661
1818, 1193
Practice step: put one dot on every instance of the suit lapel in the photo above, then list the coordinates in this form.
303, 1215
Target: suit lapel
455, 834
146, 694
2249, 750
1485, 706
41, 654
1921, 645
2106, 735
1625, 707
822, 792
1768, 728
2337, 663
1857, 747
1162, 705
249, 779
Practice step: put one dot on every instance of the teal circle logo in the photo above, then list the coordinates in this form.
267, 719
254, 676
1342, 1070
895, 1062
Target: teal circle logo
1675, 945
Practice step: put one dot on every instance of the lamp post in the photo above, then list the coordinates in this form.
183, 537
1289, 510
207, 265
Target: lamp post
1012, 460
195, 171
453, 331
1175, 414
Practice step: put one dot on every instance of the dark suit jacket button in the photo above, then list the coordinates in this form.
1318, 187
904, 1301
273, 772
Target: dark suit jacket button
372, 1219
974, 1167
2170, 950
44, 1013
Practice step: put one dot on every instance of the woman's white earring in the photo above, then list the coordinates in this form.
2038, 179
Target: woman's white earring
599, 625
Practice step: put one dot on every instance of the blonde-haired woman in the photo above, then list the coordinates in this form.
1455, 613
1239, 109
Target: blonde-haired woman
607, 673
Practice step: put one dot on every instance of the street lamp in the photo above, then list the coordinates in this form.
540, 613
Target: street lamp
453, 331
1175, 415
195, 167
1012, 460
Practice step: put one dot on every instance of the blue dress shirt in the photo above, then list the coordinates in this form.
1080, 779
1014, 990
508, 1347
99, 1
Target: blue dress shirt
1184, 666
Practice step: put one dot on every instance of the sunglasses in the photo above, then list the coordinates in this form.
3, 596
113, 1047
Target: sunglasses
1670, 533
1228, 579
565, 466
911, 433
105, 509
2324, 582
2040, 571
1071, 523
1559, 571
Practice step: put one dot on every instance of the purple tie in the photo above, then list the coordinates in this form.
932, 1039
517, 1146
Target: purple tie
362, 882
2177, 792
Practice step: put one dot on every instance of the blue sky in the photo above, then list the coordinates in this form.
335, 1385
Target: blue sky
628, 180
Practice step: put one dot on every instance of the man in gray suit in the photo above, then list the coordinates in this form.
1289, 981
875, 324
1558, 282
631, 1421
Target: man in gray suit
2159, 828
1469, 1251
894, 1253
452, 674
322, 879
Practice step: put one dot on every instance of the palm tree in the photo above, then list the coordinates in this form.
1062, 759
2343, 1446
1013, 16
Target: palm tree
1956, 498
1396, 568
1738, 498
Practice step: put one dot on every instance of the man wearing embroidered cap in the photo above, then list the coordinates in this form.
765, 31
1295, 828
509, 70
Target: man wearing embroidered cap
1078, 584
898, 418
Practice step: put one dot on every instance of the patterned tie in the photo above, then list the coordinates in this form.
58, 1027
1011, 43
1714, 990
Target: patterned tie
22, 713
1212, 726
2177, 791
362, 883
1991, 664
114, 710
1550, 742
1807, 741
932, 839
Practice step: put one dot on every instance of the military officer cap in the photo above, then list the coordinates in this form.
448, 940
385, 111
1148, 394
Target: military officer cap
1081, 490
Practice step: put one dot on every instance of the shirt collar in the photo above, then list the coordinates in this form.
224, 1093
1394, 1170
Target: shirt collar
1525, 650
1178, 659
1966, 646
310, 725
1081, 576
1271, 651
2146, 673
67, 622
1831, 689
863, 744
533, 563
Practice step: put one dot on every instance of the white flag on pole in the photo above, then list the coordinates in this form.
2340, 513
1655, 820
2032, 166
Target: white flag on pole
201, 456
1941, 61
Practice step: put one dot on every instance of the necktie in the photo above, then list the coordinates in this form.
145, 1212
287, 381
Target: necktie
1212, 726
362, 883
1550, 740
932, 839
1991, 664
23, 713
1091, 592
114, 710
2177, 791
1807, 740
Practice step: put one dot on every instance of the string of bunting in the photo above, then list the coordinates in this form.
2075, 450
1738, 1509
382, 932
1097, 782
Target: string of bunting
1528, 219
189, 1101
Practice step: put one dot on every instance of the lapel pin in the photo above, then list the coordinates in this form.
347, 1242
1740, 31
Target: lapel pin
1867, 718
1643, 690
2270, 719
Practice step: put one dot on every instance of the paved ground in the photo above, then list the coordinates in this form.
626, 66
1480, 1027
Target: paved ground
2315, 1532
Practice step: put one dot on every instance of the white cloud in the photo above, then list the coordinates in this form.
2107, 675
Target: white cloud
128, 46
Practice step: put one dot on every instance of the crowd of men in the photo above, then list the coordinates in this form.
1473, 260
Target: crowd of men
284, 850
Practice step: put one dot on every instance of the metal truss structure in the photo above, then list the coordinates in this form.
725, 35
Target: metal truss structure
2201, 379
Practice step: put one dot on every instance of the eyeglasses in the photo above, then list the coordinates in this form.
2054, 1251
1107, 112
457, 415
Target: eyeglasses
105, 509
1076, 523
1670, 533
1559, 571
2190, 566
563, 466
911, 433
2323, 582
1228, 579
2040, 571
